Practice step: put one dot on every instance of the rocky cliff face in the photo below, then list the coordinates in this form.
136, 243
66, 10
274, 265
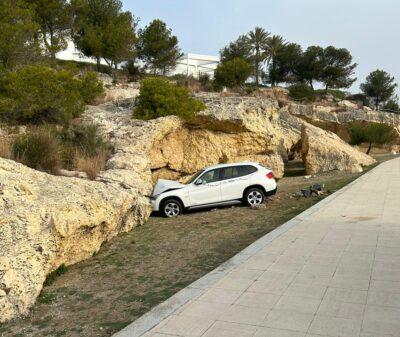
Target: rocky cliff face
231, 129
47, 221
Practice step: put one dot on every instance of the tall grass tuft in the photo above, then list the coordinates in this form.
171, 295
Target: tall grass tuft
5, 148
39, 149
91, 165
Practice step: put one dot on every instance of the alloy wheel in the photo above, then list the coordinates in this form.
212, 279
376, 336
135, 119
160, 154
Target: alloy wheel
255, 198
172, 209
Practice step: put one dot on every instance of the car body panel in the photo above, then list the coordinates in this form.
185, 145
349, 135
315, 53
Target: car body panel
205, 194
234, 188
166, 185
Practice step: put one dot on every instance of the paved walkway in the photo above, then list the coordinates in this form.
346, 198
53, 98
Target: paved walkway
332, 271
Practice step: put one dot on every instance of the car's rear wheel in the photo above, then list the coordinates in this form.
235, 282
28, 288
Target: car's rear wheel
171, 208
254, 197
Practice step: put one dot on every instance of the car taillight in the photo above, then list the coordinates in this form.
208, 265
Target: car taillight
270, 175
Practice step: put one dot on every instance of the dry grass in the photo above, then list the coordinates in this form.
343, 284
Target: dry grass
39, 149
90, 165
5, 148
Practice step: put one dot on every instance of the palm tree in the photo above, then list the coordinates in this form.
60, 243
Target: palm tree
275, 44
257, 40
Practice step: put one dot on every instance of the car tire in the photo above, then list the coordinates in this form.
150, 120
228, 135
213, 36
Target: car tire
171, 208
254, 197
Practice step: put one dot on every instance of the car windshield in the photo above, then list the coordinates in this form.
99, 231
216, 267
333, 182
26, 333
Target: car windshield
192, 179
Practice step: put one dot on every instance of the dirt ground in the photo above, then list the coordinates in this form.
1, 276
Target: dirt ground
135, 271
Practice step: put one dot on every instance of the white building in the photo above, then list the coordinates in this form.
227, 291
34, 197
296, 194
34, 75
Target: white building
196, 65
190, 64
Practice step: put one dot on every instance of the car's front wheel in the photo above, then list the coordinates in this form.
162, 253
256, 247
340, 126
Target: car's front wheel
254, 197
171, 208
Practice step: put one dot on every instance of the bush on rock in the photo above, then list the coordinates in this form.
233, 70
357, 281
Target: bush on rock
38, 93
159, 97
302, 92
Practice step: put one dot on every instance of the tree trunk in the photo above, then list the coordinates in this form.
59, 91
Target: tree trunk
257, 67
326, 90
257, 75
369, 147
52, 52
98, 60
312, 84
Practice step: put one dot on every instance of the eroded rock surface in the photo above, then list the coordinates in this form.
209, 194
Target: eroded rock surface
231, 129
344, 112
323, 151
47, 221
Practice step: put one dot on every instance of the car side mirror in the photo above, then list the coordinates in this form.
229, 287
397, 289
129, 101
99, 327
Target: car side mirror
199, 182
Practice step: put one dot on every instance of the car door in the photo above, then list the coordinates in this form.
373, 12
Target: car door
209, 191
235, 179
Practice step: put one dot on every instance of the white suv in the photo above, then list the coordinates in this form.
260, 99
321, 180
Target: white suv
219, 185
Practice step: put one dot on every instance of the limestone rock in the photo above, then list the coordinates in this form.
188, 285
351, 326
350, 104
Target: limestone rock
47, 221
230, 130
324, 151
120, 92
340, 116
347, 104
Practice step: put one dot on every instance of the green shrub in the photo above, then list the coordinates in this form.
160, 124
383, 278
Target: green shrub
302, 92
37, 93
158, 97
392, 105
39, 149
359, 98
91, 87
82, 141
371, 133
339, 94
233, 73
85, 138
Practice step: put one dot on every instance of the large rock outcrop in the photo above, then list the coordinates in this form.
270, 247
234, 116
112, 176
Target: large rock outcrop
323, 151
231, 129
344, 112
47, 221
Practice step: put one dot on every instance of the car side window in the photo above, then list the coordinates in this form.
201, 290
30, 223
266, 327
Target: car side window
211, 176
248, 169
237, 171
230, 172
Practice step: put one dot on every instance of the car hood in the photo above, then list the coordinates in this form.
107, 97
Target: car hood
166, 185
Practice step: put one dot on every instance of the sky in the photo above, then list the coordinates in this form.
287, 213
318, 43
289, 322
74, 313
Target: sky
370, 29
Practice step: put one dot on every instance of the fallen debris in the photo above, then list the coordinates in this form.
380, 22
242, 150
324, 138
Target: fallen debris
313, 190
